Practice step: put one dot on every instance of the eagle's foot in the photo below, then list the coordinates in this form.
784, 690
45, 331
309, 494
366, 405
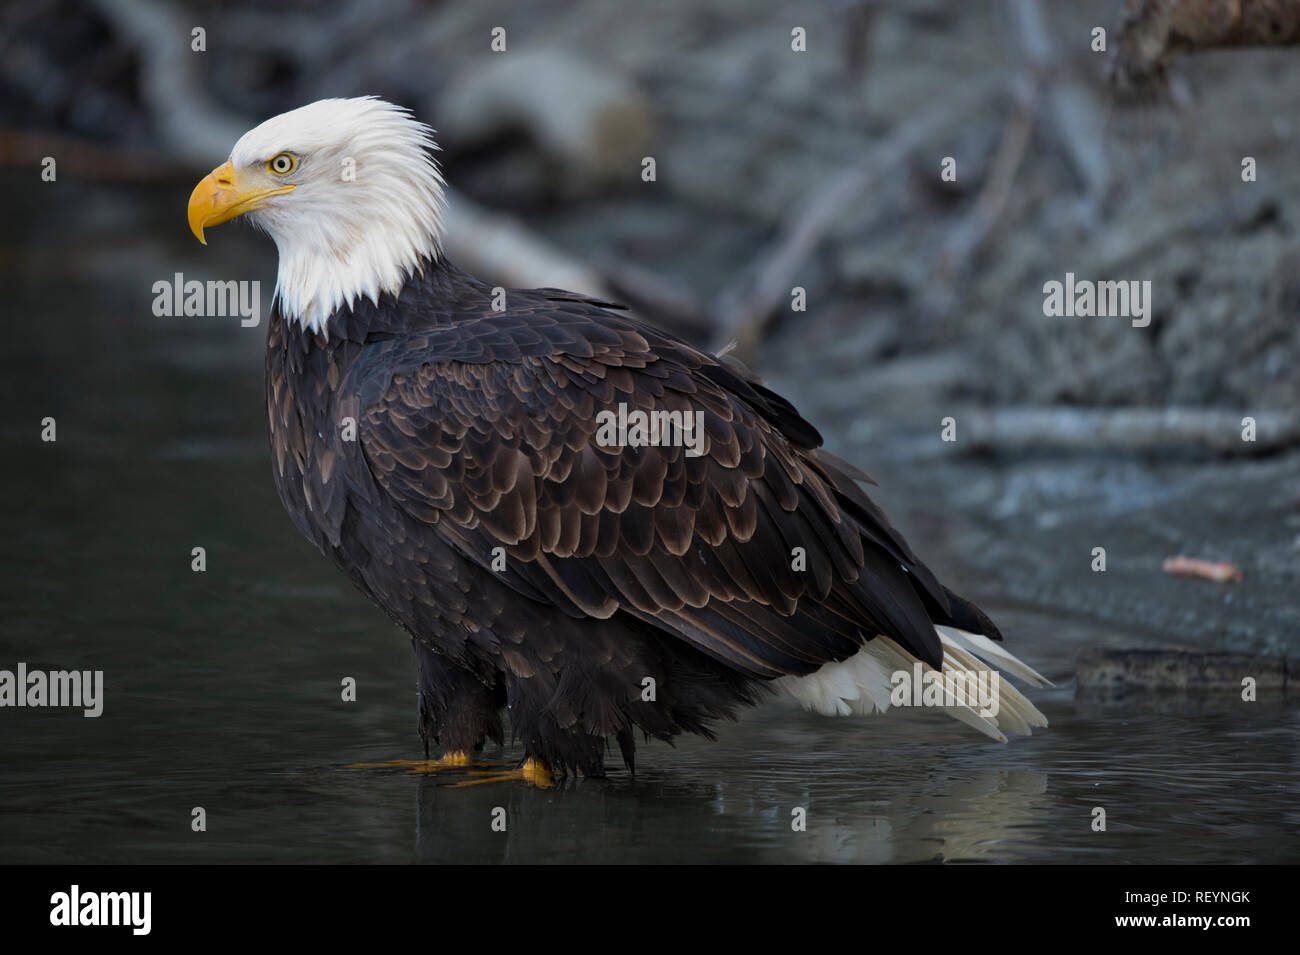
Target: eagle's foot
529, 771
457, 760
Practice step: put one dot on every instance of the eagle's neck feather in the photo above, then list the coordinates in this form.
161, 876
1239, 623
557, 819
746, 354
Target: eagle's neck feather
348, 262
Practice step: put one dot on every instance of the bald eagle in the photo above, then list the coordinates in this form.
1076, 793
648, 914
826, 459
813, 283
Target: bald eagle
458, 461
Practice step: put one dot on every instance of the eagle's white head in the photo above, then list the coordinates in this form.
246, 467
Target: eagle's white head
349, 191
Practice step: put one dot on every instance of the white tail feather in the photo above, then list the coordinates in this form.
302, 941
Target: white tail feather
990, 652
863, 684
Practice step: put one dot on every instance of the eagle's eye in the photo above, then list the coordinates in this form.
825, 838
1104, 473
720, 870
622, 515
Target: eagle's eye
282, 164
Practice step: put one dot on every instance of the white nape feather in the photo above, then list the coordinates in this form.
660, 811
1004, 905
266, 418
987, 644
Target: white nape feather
862, 685
366, 208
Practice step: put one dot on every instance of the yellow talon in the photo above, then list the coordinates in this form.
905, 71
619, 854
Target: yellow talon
449, 761
535, 774
531, 772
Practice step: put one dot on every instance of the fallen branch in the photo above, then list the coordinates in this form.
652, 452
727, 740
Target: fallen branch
501, 249
1069, 105
189, 121
1155, 31
1176, 668
966, 238
744, 308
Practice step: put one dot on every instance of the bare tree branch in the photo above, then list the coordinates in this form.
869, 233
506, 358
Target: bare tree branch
745, 307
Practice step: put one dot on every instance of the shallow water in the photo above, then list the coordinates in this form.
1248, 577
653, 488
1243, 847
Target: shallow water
222, 688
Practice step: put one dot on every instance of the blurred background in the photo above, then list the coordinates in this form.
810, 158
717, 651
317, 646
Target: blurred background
794, 145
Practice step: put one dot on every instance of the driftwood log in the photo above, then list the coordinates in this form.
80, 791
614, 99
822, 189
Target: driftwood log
1155, 31
1175, 668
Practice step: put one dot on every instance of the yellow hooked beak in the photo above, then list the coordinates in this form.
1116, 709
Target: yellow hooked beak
222, 195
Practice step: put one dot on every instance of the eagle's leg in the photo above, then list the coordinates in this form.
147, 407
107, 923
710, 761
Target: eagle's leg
457, 708
457, 712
